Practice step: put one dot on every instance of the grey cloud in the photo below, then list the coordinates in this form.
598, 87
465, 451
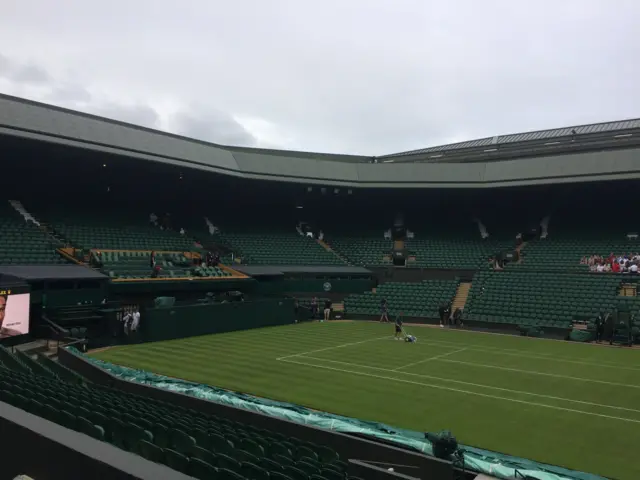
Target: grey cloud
143, 115
30, 74
5, 65
203, 122
23, 73
68, 94
214, 126
327, 77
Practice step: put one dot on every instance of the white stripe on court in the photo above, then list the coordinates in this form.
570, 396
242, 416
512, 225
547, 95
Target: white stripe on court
532, 355
468, 392
471, 384
532, 372
437, 357
334, 347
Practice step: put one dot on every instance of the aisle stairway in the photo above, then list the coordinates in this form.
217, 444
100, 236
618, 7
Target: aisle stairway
18, 207
462, 293
628, 290
23, 241
328, 248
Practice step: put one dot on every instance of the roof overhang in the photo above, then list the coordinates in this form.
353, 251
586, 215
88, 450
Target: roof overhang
26, 119
51, 272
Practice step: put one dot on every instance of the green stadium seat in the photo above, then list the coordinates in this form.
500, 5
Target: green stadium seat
176, 460
254, 472
205, 455
202, 470
150, 451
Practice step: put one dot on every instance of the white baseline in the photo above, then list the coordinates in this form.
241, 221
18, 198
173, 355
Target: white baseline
469, 392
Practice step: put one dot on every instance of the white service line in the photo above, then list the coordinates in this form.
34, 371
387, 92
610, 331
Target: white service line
437, 357
532, 355
471, 384
544, 374
334, 347
468, 392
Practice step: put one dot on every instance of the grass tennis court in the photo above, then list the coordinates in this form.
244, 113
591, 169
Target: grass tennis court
573, 405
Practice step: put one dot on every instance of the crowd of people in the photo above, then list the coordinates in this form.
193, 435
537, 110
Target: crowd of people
625, 263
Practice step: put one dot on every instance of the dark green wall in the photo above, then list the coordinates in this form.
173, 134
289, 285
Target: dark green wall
191, 320
50, 297
305, 285
160, 287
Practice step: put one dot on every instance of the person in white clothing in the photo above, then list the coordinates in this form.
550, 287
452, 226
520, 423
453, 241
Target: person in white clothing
633, 268
126, 321
600, 268
135, 320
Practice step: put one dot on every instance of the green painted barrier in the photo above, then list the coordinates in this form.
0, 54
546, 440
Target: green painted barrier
192, 320
305, 285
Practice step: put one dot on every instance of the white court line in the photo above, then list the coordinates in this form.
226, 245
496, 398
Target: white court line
532, 372
468, 392
334, 347
489, 387
437, 357
534, 356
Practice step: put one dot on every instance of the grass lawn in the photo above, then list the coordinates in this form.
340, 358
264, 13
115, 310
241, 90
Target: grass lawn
573, 405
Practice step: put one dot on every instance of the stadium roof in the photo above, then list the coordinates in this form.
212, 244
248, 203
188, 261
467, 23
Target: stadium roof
582, 153
607, 130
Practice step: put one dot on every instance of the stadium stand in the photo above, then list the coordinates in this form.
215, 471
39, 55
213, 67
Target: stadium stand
120, 241
276, 247
453, 252
127, 264
563, 251
24, 242
411, 299
190, 442
545, 299
455, 248
362, 249
99, 231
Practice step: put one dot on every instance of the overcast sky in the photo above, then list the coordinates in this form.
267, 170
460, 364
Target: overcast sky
342, 76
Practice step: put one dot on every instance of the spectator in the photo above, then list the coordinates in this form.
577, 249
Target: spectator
126, 322
135, 320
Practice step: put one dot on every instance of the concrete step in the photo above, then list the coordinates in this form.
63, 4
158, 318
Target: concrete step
33, 347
